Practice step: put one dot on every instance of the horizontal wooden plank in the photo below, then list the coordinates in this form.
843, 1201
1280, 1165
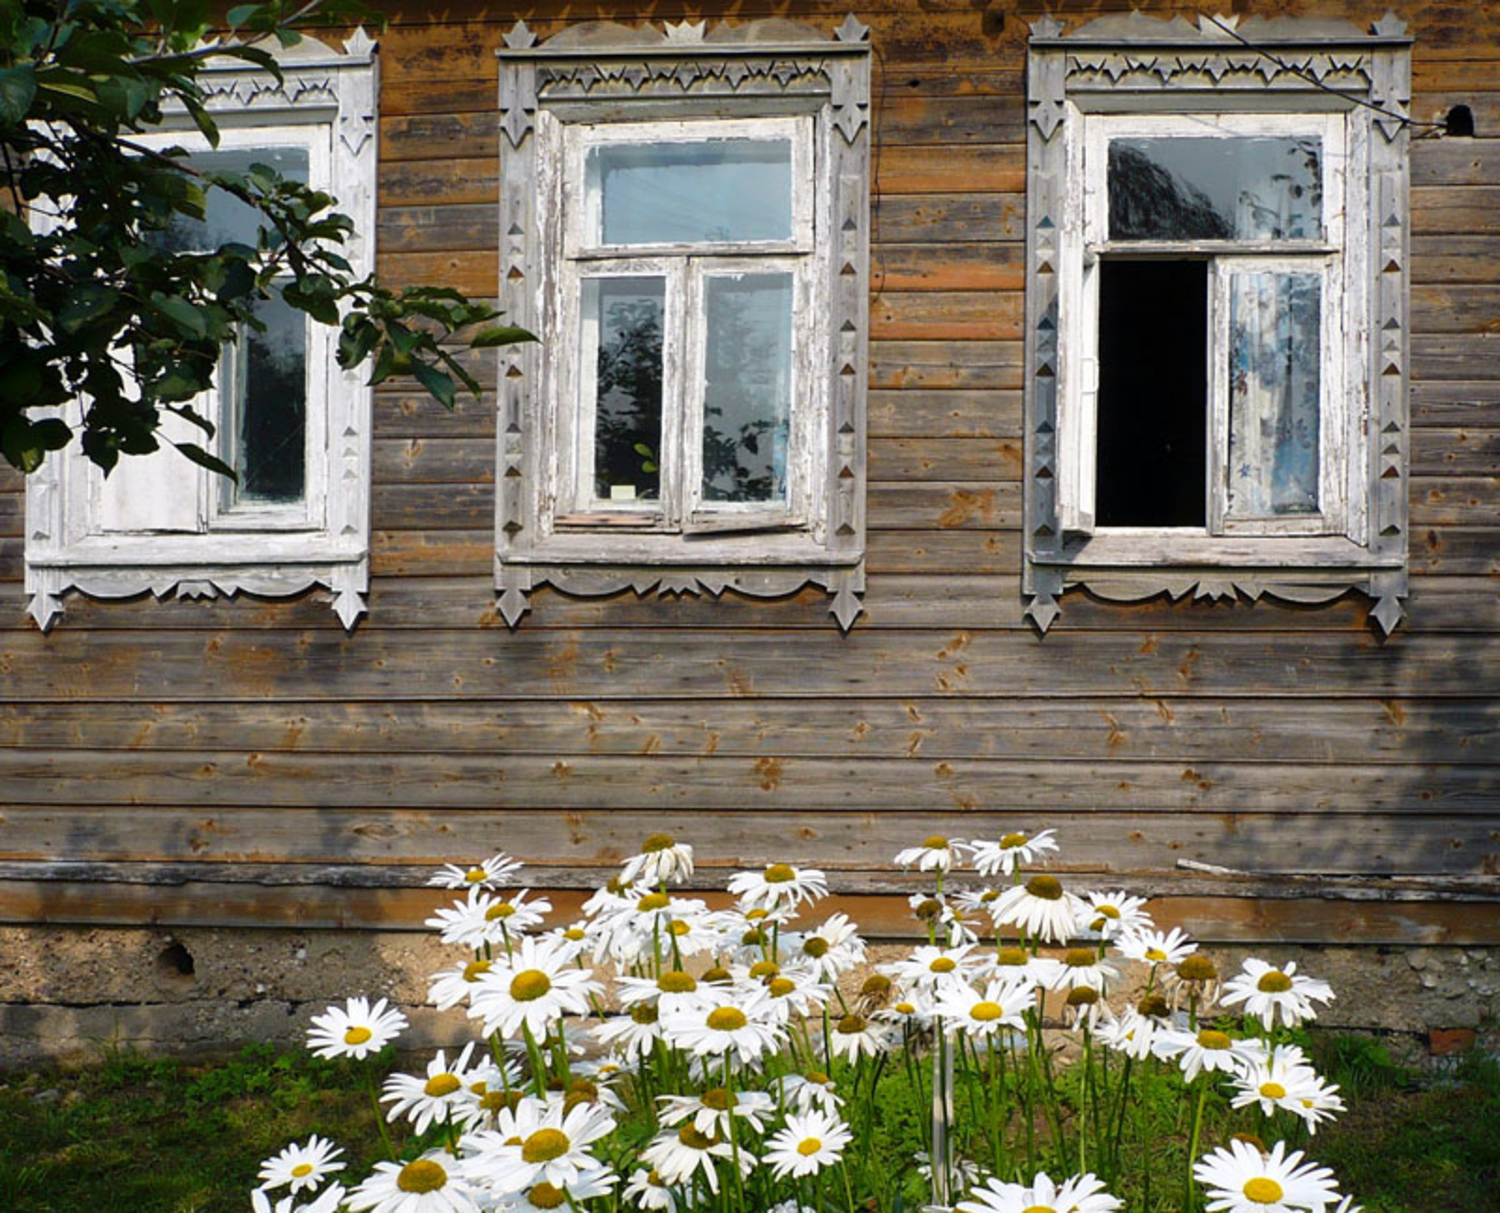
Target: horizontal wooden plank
979, 504
1455, 402
415, 414
1455, 500
939, 553
982, 169
937, 218
989, 365
1102, 843
1444, 308
1455, 210
1399, 732
1468, 356
1209, 919
418, 507
973, 266
467, 227
1471, 259
1466, 452
1455, 551
945, 458
986, 315
448, 182
1432, 104
476, 274
646, 663
468, 135
944, 413
913, 118
1446, 162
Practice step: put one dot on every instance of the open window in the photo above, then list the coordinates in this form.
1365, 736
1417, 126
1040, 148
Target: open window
1216, 397
293, 426
689, 239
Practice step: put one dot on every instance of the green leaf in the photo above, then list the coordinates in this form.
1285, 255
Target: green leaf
21, 445
17, 92
85, 303
203, 459
188, 414
501, 334
439, 384
180, 312
241, 13
288, 37
51, 433
205, 124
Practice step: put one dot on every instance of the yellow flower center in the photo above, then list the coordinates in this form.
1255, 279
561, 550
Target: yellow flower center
1155, 954
657, 842
719, 1099
501, 909
1039, 1209
1014, 957
301, 1169
476, 969
765, 968
1011, 841
780, 987
545, 1196
756, 915
493, 1101
1273, 1090
693, 1139
424, 1175
1274, 982
652, 901
815, 947
529, 985
906, 1008
818, 1077
943, 964
357, 1036
475, 875
989, 895
1079, 958
780, 873
753, 939
617, 886
1153, 1005
1107, 911
850, 1025
677, 982
809, 1146
678, 927
1048, 888
985, 1011
544, 1145
716, 974
1082, 996
643, 1013
936, 843
1210, 1039
930, 908
574, 934
1197, 968
1263, 1191
876, 983
726, 1019
441, 1084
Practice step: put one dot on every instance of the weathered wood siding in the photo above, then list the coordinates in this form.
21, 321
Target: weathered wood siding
197, 755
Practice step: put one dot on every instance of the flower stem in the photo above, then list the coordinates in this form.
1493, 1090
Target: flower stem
385, 1137
1189, 1202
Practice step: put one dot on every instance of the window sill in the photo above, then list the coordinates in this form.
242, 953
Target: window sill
1149, 548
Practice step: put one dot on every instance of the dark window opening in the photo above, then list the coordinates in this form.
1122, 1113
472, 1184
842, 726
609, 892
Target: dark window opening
1459, 122
1153, 393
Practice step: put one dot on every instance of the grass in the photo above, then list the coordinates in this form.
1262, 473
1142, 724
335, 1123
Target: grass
135, 1135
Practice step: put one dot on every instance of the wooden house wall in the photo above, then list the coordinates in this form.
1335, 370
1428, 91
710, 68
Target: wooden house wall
188, 759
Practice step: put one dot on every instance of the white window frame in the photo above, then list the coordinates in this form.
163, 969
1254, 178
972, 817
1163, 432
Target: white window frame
176, 533
655, 88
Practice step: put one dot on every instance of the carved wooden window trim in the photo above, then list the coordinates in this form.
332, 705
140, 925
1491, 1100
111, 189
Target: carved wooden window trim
326, 101
770, 73
1254, 72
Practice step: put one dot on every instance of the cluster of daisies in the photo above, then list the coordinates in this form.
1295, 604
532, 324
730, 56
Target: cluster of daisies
723, 1054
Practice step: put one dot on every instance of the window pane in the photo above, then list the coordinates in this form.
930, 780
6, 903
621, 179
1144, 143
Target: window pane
623, 317
266, 407
1274, 393
747, 387
687, 193
229, 219
1215, 189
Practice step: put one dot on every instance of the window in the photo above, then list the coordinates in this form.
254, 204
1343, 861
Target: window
689, 221
293, 426
1216, 396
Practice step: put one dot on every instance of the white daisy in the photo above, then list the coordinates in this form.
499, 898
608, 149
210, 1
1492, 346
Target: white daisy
978, 1013
647, 1190
813, 1089
354, 1030
1205, 1050
1241, 1179
662, 859
947, 921
710, 1112
731, 1020
485, 917
1317, 1102
1080, 967
1130, 1033
1083, 1005
676, 1157
675, 990
1040, 908
1108, 915
1268, 992
435, 1097
433, 1183
1020, 968
831, 949
780, 886
809, 1142
453, 986
486, 874
854, 1037
1274, 1079
929, 966
1080, 1194
643, 926
539, 1143
937, 854
633, 1034
795, 992
301, 1166
1153, 947
327, 1201
536, 986
1011, 850
545, 1197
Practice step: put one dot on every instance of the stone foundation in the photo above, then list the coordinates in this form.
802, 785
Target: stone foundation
67, 993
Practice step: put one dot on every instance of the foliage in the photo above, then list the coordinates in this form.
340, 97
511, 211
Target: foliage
96, 303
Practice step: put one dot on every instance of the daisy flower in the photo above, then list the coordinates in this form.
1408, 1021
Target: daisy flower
1040, 908
354, 1030
814, 1089
728, 1021
929, 966
781, 886
1083, 1005
831, 949
301, 1167
809, 1142
540, 1143
982, 1013
854, 1037
536, 986
1020, 968
1154, 947
710, 1112
453, 986
1205, 1050
327, 1201
633, 1034
486, 917
1275, 1079
647, 1190
1317, 1102
947, 922
675, 990
662, 859
486, 874
545, 1197
1268, 992
795, 992
1130, 1033
937, 854
1080, 967
1080, 1194
432, 1183
1110, 914
1241, 1179
676, 1157
1011, 850
434, 1098
1195, 976
912, 1009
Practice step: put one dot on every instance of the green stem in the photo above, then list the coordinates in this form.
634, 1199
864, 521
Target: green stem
385, 1137
1189, 1203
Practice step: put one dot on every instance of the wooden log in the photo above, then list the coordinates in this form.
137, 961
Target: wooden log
1455, 551
970, 266
402, 413
944, 413
476, 274
1439, 452
1467, 357
471, 227
1455, 259
971, 505
938, 218
989, 365
447, 182
947, 315
982, 169
945, 459
1455, 402
1463, 210
1454, 500
1441, 308
1450, 162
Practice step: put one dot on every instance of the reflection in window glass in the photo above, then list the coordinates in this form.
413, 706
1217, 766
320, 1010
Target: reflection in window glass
227, 218
679, 193
747, 387
263, 390
622, 320
1237, 188
1274, 390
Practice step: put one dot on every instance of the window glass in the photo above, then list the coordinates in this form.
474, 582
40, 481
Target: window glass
623, 320
1274, 392
682, 193
1239, 188
263, 394
227, 218
747, 386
